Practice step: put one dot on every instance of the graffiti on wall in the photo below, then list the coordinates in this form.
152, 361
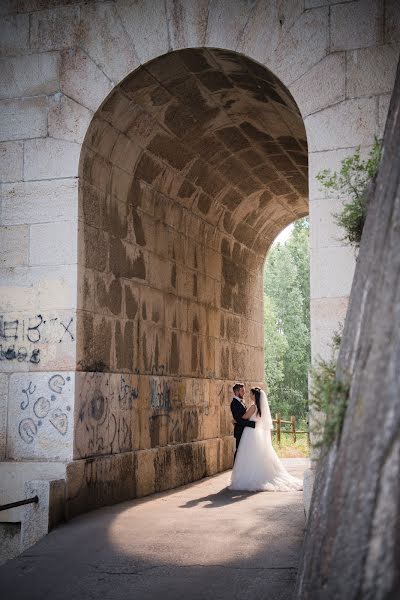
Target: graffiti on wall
127, 393
160, 395
105, 419
177, 410
19, 338
41, 408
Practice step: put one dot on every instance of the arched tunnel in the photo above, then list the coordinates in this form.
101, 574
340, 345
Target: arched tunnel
189, 170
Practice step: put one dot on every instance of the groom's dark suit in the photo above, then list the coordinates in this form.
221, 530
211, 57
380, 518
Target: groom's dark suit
238, 409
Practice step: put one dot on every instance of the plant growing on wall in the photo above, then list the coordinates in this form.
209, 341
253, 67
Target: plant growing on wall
328, 398
352, 182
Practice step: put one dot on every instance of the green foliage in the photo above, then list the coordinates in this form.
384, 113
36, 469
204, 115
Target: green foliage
351, 182
329, 399
287, 323
290, 449
298, 244
337, 337
290, 401
276, 346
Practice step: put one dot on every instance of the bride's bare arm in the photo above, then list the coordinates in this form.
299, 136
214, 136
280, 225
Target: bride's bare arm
249, 412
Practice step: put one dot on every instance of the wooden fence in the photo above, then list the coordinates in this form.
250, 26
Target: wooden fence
278, 428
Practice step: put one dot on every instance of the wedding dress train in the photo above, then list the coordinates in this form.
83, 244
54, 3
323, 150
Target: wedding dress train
257, 466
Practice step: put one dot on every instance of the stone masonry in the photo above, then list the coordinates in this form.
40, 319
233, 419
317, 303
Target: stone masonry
151, 152
352, 538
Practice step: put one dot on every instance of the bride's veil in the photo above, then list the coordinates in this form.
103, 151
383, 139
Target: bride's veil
266, 419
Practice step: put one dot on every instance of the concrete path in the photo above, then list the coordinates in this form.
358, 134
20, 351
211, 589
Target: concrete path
200, 541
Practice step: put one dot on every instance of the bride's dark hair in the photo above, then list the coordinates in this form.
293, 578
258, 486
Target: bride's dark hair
257, 393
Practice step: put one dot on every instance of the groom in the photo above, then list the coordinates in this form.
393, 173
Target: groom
238, 408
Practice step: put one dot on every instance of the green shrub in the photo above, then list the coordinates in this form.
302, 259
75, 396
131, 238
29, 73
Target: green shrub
352, 182
328, 398
337, 337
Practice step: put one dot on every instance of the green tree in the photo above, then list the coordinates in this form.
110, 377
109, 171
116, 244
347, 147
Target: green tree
287, 318
298, 244
275, 347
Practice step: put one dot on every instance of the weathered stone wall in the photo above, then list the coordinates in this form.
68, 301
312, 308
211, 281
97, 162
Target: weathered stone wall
188, 171
67, 304
351, 546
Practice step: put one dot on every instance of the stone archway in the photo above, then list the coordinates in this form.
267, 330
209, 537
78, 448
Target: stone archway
60, 64
188, 171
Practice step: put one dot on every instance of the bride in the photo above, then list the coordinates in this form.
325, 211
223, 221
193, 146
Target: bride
257, 466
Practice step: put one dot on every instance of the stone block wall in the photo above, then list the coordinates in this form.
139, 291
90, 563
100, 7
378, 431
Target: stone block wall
42, 415
180, 196
351, 542
107, 237
357, 69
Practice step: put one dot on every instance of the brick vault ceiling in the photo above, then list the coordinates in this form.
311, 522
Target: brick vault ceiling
215, 131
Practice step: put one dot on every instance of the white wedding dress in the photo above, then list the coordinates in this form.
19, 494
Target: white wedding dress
257, 466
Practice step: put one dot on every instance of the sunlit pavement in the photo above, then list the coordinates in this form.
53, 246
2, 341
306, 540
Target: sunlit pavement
196, 542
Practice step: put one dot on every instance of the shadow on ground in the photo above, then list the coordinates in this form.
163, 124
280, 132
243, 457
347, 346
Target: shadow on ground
168, 547
221, 498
